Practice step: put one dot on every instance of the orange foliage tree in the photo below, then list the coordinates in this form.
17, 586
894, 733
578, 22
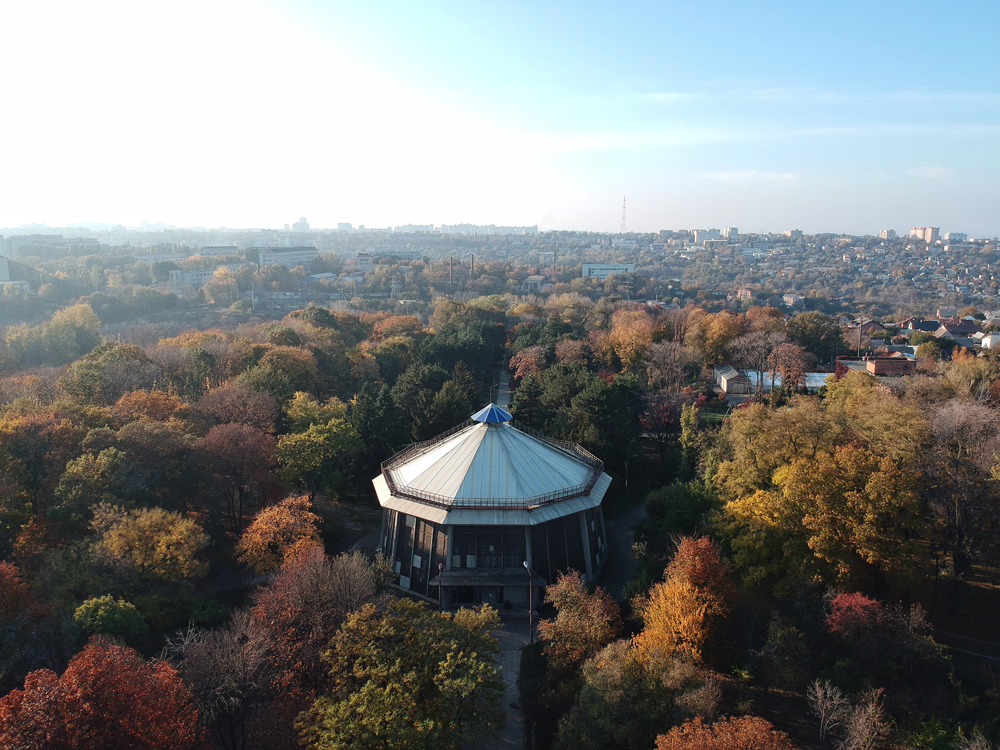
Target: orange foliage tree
398, 325
278, 534
153, 406
584, 622
687, 608
735, 733
107, 699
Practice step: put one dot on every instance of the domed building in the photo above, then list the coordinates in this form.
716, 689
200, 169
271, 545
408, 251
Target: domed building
462, 513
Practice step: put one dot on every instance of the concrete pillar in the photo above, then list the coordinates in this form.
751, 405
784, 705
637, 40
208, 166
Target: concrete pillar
588, 560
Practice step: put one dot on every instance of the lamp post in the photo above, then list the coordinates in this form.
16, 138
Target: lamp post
531, 603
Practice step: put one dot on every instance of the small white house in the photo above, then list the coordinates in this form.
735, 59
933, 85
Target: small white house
731, 381
990, 340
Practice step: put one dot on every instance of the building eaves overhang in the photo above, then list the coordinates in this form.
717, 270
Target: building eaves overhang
494, 466
491, 516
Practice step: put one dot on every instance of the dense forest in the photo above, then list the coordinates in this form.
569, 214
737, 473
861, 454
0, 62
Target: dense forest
176, 506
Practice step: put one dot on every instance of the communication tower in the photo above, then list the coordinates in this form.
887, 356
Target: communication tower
623, 230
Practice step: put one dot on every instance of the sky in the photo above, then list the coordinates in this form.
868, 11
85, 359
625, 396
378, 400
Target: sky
826, 117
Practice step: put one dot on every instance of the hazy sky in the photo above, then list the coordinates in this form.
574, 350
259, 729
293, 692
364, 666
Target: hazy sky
837, 116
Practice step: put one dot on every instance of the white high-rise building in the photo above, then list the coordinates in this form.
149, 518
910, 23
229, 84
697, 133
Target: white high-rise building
887, 234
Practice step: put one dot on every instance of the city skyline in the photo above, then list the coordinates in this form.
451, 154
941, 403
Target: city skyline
222, 114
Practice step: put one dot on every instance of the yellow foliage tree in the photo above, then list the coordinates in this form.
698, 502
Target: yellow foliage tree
674, 619
278, 534
631, 335
161, 545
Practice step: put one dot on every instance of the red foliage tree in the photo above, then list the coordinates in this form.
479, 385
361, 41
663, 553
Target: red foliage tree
736, 733
528, 361
107, 699
851, 614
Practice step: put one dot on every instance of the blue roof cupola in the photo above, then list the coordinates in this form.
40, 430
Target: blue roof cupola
492, 414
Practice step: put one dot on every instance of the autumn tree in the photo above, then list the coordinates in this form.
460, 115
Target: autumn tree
408, 676
110, 371
787, 362
305, 410
759, 440
963, 490
281, 372
627, 697
302, 607
710, 337
842, 517
631, 335
107, 699
584, 622
232, 404
661, 418
528, 361
17, 596
156, 461
34, 449
239, 459
278, 534
153, 406
734, 733
752, 351
88, 481
684, 611
159, 544
667, 363
229, 673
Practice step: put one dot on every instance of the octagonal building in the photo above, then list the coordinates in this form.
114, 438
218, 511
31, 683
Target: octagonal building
462, 513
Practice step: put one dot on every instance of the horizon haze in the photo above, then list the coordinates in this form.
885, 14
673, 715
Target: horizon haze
851, 119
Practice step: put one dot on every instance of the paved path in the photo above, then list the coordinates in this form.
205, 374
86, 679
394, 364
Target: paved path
620, 566
513, 637
503, 392
367, 543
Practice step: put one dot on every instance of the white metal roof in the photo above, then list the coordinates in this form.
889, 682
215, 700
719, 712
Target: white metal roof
491, 461
490, 473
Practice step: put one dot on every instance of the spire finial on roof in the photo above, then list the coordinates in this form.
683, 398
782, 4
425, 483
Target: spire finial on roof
492, 414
